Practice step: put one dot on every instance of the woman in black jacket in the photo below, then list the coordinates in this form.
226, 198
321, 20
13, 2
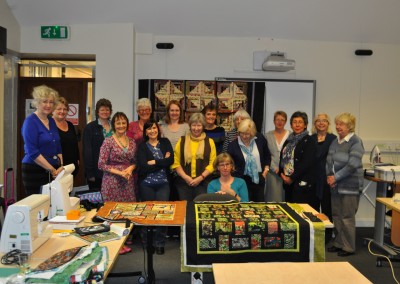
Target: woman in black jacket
154, 157
297, 163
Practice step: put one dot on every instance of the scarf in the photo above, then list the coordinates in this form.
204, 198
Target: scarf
188, 148
287, 162
250, 168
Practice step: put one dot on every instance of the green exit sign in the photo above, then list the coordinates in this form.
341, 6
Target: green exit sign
54, 32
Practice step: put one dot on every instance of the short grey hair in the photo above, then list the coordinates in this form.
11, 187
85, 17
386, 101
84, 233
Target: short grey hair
241, 113
143, 102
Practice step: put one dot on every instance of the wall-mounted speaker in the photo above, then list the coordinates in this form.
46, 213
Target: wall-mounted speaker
363, 52
3, 40
165, 45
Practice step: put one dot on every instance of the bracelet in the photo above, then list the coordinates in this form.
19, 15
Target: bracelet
236, 195
203, 176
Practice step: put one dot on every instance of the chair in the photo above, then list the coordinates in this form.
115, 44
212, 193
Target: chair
214, 197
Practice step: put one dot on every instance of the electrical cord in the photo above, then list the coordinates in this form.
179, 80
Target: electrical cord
383, 256
11, 257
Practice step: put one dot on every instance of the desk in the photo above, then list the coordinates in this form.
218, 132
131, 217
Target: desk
288, 272
56, 244
395, 233
380, 211
149, 214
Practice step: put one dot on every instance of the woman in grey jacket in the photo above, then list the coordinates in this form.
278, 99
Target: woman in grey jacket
345, 177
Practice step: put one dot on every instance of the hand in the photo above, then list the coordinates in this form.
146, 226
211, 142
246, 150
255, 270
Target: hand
188, 180
331, 181
264, 173
286, 179
151, 162
196, 181
125, 174
167, 155
55, 172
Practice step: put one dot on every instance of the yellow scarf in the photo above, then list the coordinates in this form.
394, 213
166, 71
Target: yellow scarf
188, 149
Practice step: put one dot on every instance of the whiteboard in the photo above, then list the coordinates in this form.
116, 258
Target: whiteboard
289, 96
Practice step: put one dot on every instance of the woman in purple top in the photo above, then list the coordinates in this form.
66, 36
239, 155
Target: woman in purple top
43, 155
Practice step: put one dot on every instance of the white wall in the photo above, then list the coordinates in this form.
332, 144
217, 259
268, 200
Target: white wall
113, 45
368, 87
8, 21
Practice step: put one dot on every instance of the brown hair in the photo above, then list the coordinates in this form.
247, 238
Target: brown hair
167, 118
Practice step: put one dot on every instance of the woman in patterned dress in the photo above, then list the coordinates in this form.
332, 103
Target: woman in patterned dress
118, 160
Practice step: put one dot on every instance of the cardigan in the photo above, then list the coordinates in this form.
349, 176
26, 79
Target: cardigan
304, 160
93, 138
344, 161
237, 155
144, 155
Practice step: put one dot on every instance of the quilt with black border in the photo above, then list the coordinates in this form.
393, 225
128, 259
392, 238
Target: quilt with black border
244, 232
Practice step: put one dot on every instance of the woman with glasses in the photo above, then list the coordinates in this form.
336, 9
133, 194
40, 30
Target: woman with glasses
135, 131
274, 190
232, 134
227, 184
252, 158
43, 158
68, 137
323, 137
297, 163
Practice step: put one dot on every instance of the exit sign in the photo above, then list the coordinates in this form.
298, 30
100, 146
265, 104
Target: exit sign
54, 32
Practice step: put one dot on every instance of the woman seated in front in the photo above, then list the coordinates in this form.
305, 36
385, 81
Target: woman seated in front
227, 184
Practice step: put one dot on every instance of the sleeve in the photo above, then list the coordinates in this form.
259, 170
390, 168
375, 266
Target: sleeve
142, 159
30, 134
177, 155
166, 162
356, 153
77, 147
135, 152
105, 151
187, 129
213, 156
90, 166
55, 130
329, 161
266, 152
212, 187
243, 191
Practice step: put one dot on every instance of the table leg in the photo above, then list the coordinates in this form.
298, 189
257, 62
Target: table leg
379, 229
151, 277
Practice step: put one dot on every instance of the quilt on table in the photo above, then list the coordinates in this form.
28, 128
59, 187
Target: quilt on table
244, 232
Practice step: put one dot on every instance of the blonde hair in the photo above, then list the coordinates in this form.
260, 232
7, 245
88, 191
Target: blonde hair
247, 125
224, 157
62, 100
348, 119
314, 130
43, 92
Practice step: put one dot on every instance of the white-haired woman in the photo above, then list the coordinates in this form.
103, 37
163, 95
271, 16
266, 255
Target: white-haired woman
194, 157
252, 158
135, 131
345, 177
232, 134
43, 155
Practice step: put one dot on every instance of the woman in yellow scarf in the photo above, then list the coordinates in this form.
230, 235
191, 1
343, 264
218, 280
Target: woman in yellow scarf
194, 157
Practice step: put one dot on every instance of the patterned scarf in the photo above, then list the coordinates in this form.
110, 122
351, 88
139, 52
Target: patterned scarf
287, 162
188, 149
250, 168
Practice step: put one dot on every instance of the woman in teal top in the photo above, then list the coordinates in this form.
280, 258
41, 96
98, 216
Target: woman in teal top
227, 184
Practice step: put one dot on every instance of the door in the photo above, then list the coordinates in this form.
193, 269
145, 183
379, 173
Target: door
75, 91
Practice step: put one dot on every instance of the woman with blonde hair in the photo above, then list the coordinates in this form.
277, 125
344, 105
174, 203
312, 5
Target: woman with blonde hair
227, 184
194, 157
43, 158
232, 134
68, 137
345, 177
276, 138
323, 137
252, 158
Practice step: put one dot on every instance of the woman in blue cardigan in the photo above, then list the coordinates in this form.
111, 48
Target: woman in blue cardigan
252, 158
154, 157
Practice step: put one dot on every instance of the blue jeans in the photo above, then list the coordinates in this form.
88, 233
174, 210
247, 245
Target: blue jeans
158, 192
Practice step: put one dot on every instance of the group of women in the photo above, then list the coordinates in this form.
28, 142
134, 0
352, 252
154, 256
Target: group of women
146, 160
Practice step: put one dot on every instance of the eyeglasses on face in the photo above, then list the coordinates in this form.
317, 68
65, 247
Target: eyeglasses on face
321, 121
144, 110
225, 165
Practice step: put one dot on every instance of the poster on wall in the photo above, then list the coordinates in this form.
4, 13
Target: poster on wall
73, 114
166, 91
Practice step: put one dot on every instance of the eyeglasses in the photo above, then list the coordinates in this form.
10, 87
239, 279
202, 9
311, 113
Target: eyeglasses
322, 121
144, 110
225, 165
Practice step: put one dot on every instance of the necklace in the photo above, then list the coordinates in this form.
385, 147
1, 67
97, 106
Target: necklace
124, 147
